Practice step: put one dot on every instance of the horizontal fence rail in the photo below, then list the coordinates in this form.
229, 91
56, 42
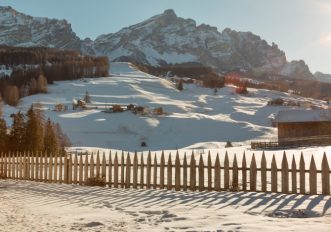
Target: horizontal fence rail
179, 173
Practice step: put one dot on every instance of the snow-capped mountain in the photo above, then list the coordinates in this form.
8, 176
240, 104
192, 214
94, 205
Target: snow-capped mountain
162, 39
18, 29
166, 38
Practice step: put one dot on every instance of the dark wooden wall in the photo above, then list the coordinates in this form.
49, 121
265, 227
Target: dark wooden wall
309, 131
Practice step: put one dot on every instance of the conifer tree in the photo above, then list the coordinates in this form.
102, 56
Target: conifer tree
3, 136
42, 84
34, 131
180, 85
87, 97
1, 105
50, 139
63, 138
17, 137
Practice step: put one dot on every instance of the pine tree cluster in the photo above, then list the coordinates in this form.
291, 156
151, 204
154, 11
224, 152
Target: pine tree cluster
32, 68
31, 133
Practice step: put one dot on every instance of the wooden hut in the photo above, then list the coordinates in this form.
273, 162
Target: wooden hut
304, 127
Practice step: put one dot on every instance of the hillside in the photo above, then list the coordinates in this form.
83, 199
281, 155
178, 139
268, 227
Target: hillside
194, 117
26, 71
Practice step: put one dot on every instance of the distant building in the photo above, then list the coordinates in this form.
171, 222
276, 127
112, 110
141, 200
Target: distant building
304, 127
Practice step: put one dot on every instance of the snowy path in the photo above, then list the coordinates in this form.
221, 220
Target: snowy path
29, 206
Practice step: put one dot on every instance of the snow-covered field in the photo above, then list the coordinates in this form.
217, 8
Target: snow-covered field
196, 120
195, 117
29, 206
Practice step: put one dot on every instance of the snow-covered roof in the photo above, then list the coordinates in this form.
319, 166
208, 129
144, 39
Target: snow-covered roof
303, 116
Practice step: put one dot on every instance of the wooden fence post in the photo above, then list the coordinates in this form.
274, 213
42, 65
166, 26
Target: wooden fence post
210, 188
235, 182
122, 170
149, 170
177, 173
162, 166
110, 161
155, 172
128, 171
226, 172
56, 168
80, 178
50, 169
86, 167
103, 167
98, 165
273, 175
302, 175
312, 177
135, 170
244, 172
325, 176
14, 166
41, 159
60, 169
263, 173
70, 169
36, 171
31, 166
192, 173
142, 177
20, 166
27, 166
75, 168
169, 173
66, 170
24, 166
8, 166
92, 166
17, 165
116, 171
294, 175
252, 174
45, 158
217, 174
185, 173
285, 174
201, 174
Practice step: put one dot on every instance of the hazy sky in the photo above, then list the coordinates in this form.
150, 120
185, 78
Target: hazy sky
302, 28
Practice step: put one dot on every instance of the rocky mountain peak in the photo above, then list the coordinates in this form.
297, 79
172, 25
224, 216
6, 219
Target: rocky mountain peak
18, 29
170, 13
161, 39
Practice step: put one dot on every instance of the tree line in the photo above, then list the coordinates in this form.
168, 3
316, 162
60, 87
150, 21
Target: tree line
34, 68
31, 132
208, 77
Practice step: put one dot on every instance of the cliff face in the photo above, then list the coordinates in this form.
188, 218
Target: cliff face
162, 39
18, 29
168, 39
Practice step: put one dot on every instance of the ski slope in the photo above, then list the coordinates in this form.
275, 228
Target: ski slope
195, 117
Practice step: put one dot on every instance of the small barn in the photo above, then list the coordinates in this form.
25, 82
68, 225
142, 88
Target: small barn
304, 127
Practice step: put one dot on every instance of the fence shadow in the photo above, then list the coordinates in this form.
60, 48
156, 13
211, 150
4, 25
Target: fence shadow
99, 197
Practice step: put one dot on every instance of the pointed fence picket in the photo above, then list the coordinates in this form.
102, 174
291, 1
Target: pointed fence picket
294, 175
155, 172
203, 174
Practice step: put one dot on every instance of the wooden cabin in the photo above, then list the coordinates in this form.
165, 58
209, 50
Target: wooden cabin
304, 127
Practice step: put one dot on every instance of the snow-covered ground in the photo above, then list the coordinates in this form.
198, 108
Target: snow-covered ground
196, 120
194, 116
29, 206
